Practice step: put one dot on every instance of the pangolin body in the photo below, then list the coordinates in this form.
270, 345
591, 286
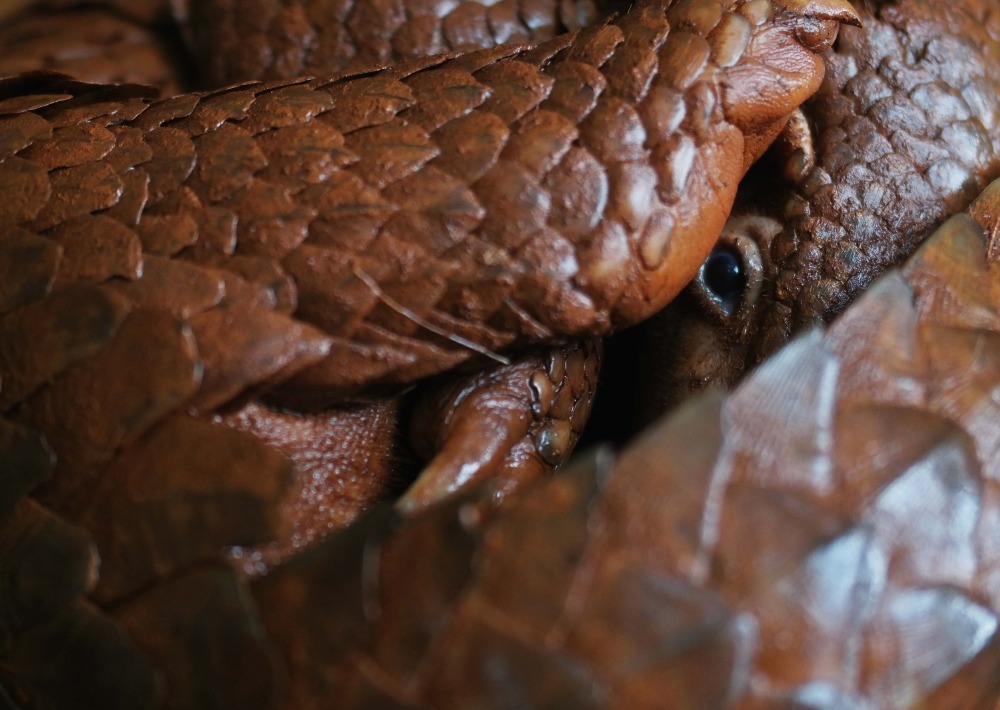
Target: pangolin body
777, 563
185, 259
191, 221
497, 197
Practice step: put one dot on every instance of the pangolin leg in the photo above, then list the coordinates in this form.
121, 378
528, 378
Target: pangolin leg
345, 461
509, 423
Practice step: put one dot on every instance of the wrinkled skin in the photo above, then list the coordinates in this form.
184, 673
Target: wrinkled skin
904, 131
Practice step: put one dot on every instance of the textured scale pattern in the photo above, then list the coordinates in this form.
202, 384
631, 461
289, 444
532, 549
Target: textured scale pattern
824, 536
903, 132
236, 40
907, 132
55, 641
391, 223
116, 201
348, 456
86, 43
158, 276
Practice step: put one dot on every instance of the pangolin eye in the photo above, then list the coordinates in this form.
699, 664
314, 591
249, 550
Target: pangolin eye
724, 277
730, 279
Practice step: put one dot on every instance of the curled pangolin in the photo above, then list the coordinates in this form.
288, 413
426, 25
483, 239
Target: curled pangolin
196, 190
924, 592
148, 195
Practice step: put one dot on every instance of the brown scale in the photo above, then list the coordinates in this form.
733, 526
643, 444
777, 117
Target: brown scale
188, 204
236, 40
498, 159
903, 132
58, 649
205, 184
823, 536
90, 44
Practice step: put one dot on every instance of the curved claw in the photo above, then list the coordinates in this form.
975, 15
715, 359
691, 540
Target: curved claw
510, 424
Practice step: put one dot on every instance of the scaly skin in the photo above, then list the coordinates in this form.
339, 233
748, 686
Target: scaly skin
162, 490
264, 39
213, 271
237, 40
58, 649
346, 457
89, 44
906, 130
444, 188
748, 552
938, 576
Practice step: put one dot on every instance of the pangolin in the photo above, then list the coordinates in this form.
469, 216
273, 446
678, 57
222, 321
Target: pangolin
903, 132
430, 211
441, 208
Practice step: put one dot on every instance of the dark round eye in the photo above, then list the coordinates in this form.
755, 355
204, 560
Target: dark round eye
730, 280
724, 278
